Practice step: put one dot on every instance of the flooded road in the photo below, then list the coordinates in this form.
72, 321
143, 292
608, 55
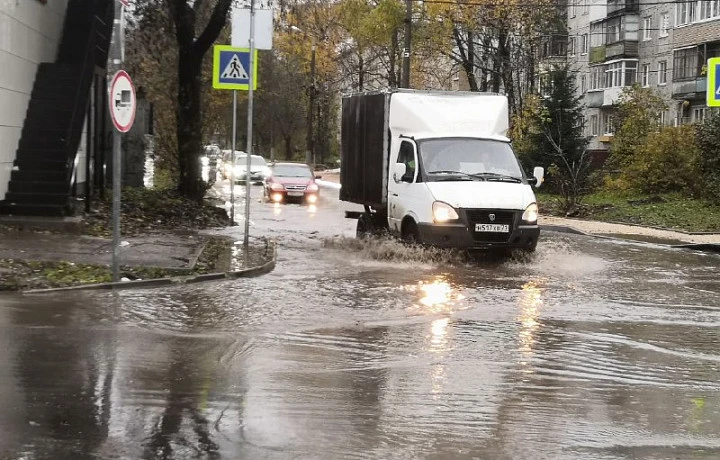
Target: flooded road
590, 349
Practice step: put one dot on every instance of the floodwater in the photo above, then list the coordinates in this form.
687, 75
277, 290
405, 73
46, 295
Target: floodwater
590, 349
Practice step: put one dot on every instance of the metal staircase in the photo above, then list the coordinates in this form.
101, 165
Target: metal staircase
42, 181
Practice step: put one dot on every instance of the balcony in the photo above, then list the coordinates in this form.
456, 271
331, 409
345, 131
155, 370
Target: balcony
611, 95
594, 99
624, 48
689, 89
597, 54
615, 7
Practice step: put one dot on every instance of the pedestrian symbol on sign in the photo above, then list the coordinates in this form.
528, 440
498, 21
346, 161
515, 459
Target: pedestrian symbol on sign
234, 69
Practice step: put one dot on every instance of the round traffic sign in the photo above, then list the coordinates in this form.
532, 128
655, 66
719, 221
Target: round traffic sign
122, 101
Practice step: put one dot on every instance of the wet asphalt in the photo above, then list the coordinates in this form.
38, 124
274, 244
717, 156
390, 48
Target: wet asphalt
590, 349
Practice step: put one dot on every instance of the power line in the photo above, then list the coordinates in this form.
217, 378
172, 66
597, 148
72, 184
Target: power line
581, 4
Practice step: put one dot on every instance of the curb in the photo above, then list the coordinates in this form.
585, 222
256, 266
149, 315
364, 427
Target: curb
707, 247
249, 272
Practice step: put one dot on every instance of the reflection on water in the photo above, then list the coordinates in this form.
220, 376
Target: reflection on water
530, 303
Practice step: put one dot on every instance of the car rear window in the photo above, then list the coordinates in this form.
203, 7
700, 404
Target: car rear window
292, 171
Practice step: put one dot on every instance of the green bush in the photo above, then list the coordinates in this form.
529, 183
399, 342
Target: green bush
708, 141
666, 162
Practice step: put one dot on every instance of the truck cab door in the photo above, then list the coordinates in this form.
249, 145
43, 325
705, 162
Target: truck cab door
403, 178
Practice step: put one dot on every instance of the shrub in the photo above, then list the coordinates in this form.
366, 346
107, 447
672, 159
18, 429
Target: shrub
666, 162
708, 141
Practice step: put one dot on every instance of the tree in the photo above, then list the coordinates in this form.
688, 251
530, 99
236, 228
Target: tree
554, 137
636, 116
193, 42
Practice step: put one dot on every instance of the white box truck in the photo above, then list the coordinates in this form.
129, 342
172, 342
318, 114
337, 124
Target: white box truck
437, 168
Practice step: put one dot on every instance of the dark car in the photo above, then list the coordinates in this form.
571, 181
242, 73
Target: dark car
291, 182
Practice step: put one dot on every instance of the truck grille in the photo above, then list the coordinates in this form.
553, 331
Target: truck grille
295, 188
490, 216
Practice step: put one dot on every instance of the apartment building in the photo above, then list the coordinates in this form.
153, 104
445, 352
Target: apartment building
659, 44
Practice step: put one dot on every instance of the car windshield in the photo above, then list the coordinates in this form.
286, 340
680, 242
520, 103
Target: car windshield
473, 157
292, 171
254, 160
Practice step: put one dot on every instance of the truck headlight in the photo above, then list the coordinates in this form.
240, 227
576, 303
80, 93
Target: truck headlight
531, 213
443, 212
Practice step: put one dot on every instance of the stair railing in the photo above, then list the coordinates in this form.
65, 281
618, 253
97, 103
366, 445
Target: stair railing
79, 111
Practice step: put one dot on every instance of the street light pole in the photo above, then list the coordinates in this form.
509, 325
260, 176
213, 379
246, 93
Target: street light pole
405, 80
310, 138
309, 153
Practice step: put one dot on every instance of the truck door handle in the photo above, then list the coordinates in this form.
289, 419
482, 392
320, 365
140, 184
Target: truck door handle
394, 194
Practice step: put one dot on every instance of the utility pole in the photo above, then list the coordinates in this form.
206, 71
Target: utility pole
309, 157
405, 80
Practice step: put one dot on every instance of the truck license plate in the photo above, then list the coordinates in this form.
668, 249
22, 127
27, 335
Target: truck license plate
296, 193
496, 228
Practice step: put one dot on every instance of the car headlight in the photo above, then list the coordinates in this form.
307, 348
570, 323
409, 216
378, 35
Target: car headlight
312, 188
531, 213
239, 170
275, 186
443, 212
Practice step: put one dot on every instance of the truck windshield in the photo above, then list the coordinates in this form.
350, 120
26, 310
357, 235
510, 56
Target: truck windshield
481, 158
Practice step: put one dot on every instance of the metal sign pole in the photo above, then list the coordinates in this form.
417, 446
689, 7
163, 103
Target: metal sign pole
117, 165
246, 240
232, 159
117, 161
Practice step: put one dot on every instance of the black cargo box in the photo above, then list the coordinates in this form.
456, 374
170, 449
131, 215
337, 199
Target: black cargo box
364, 149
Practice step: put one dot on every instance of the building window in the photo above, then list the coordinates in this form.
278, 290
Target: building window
645, 74
608, 122
709, 9
614, 30
583, 84
647, 28
685, 13
594, 125
571, 46
664, 24
662, 72
597, 74
686, 64
584, 43
572, 8
620, 73
663, 118
699, 114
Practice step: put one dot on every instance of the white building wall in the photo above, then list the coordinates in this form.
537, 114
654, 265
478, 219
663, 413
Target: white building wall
30, 32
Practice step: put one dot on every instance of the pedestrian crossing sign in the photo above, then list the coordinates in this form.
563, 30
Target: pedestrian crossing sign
713, 82
231, 68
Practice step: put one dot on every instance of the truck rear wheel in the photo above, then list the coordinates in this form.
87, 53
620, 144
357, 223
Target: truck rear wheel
365, 226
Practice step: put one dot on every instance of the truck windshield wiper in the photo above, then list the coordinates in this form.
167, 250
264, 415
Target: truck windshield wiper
464, 175
496, 176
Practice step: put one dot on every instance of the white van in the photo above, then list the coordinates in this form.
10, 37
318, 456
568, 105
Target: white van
437, 168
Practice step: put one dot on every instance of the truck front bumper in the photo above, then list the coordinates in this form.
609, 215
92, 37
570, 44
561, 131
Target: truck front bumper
460, 236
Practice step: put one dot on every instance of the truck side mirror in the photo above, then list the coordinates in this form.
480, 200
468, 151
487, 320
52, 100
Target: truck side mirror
399, 171
539, 175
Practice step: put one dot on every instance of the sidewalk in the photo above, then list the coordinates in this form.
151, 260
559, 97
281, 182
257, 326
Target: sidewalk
161, 251
173, 252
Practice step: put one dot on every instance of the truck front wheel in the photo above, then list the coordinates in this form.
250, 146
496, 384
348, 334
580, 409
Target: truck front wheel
410, 233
